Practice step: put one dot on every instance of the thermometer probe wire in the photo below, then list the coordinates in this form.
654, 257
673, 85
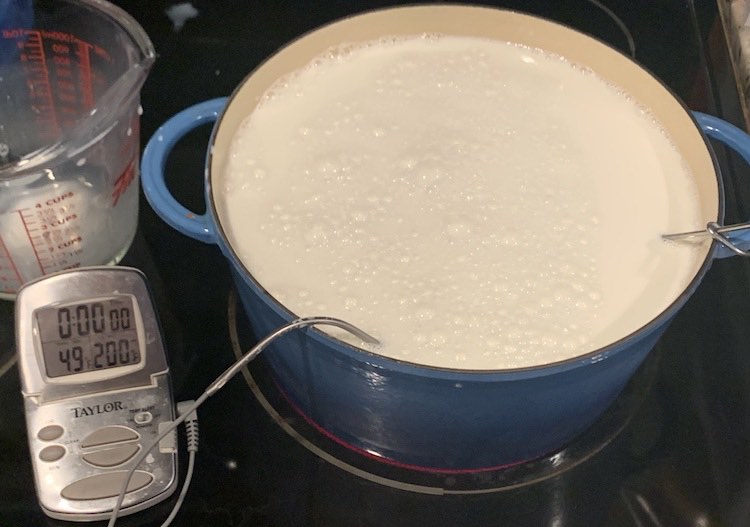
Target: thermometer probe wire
221, 380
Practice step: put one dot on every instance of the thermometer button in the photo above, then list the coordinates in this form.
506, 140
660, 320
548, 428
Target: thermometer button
105, 485
143, 418
112, 456
50, 432
52, 453
108, 435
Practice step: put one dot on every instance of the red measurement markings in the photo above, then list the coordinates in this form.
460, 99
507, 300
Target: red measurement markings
66, 85
53, 229
84, 67
28, 219
34, 59
123, 181
59, 77
129, 149
5, 256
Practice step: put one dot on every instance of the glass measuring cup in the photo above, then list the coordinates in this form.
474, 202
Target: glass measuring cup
70, 79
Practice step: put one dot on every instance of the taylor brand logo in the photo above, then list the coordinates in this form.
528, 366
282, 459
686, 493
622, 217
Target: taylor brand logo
96, 409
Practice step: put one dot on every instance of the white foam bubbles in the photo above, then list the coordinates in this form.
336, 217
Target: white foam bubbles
462, 200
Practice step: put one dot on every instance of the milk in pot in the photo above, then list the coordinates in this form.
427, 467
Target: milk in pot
473, 204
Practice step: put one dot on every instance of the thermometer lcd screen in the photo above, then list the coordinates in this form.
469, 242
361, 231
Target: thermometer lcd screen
89, 336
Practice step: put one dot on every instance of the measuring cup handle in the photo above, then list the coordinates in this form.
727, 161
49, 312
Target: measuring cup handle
739, 141
198, 226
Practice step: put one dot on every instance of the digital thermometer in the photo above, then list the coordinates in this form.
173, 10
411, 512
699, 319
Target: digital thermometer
96, 391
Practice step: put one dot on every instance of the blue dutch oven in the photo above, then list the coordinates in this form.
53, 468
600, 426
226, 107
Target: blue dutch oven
422, 417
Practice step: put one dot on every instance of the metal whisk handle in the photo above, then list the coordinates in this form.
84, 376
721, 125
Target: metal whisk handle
715, 231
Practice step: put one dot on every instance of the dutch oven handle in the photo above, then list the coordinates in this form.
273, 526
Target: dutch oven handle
739, 141
198, 226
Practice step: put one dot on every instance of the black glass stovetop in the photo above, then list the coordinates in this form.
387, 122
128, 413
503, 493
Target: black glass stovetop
674, 450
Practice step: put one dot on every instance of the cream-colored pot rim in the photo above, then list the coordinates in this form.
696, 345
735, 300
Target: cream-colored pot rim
492, 23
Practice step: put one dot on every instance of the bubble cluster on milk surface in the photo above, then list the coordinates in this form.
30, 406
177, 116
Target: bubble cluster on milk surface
455, 212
